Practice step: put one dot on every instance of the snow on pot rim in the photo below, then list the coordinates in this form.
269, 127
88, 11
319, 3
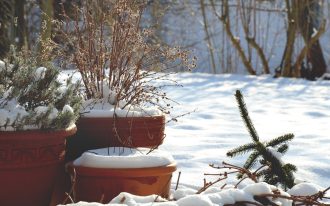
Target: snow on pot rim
102, 109
123, 157
11, 112
30, 130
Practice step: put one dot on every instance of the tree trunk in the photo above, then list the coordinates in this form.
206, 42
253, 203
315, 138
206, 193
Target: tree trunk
309, 25
316, 58
225, 19
20, 25
286, 64
208, 37
5, 18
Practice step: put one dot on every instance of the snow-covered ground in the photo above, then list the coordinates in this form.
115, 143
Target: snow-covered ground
276, 106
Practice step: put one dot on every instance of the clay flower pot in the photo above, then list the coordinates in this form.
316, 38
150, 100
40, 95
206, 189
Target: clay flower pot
30, 163
93, 184
100, 132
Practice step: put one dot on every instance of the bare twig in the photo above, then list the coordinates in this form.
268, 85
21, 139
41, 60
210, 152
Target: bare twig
177, 181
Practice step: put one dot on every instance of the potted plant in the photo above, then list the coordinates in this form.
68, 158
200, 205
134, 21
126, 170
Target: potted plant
100, 175
37, 113
117, 60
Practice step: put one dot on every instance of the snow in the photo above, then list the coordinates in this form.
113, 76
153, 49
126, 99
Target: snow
40, 73
9, 113
121, 157
106, 107
130, 199
195, 200
258, 188
275, 153
103, 108
304, 189
68, 108
2, 65
183, 192
214, 126
276, 106
226, 196
40, 110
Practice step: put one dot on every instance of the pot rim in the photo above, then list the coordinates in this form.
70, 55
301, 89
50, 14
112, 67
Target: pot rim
37, 132
133, 117
122, 172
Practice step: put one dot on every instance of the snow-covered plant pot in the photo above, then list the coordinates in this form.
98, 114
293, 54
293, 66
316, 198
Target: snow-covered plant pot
30, 164
101, 128
120, 71
35, 119
103, 173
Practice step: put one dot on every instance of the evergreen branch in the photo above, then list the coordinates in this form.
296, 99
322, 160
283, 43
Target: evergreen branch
276, 164
245, 116
241, 149
263, 173
283, 148
251, 161
286, 179
273, 172
289, 167
282, 139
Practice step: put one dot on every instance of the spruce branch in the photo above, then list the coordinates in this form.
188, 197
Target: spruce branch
279, 140
277, 170
273, 170
283, 148
241, 149
245, 116
289, 167
251, 160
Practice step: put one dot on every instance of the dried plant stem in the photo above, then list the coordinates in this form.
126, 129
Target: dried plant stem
177, 181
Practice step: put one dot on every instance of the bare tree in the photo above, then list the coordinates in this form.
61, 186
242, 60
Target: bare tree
247, 15
312, 26
224, 17
304, 16
208, 37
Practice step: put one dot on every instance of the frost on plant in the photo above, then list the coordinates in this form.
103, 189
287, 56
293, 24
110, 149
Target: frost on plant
32, 97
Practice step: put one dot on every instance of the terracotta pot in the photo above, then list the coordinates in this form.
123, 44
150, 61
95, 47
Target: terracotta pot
94, 133
30, 162
96, 184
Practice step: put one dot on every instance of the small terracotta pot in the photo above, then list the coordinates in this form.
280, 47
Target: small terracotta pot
30, 163
98, 184
94, 133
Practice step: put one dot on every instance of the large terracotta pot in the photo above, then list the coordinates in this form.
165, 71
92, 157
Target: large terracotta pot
103, 132
30, 163
99, 184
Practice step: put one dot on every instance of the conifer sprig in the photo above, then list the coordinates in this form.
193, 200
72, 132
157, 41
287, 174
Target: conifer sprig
275, 172
241, 149
245, 115
280, 140
283, 148
251, 160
